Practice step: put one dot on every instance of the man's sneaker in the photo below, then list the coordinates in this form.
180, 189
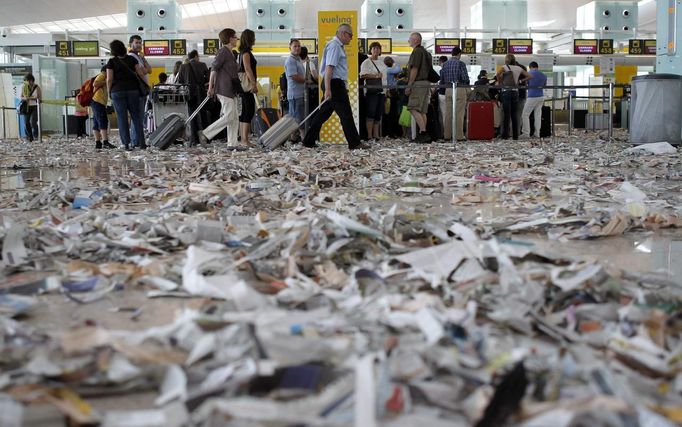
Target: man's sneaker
98, 145
106, 144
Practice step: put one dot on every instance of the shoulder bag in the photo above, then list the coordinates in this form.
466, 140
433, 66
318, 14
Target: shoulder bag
246, 84
374, 82
23, 105
142, 86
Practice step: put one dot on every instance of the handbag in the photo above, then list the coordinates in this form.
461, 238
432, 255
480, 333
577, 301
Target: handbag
374, 82
23, 105
142, 86
405, 117
244, 81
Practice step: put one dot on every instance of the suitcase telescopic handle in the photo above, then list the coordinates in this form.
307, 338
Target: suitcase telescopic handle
313, 112
193, 115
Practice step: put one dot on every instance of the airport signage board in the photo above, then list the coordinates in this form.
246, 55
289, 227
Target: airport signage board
156, 48
642, 47
605, 46
520, 46
468, 46
445, 46
311, 44
178, 47
76, 48
586, 46
386, 45
500, 46
85, 47
211, 46
63, 49
362, 46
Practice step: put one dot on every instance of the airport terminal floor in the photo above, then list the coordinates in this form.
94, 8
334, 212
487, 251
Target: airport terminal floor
221, 287
420, 262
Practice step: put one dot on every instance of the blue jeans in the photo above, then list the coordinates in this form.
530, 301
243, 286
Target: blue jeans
100, 121
128, 101
297, 108
510, 100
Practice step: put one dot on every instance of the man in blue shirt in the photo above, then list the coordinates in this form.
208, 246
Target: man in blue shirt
295, 72
454, 70
334, 71
534, 101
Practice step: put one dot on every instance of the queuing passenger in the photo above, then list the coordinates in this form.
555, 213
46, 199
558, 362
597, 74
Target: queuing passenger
98, 105
536, 99
123, 71
418, 85
135, 44
510, 75
295, 71
311, 80
172, 79
374, 72
455, 71
195, 75
81, 114
441, 91
32, 94
334, 68
390, 125
222, 83
247, 64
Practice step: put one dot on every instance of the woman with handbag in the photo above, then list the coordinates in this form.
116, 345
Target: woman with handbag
247, 78
373, 71
30, 97
224, 82
127, 88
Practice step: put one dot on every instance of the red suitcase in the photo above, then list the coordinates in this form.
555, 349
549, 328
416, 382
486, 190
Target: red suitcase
480, 121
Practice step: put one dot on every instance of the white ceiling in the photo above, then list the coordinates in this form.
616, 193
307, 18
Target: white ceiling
428, 13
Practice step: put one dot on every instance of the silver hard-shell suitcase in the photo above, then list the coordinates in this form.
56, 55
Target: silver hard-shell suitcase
280, 131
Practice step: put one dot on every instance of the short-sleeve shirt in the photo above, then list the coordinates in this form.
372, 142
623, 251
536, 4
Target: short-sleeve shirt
418, 58
335, 56
294, 66
538, 79
100, 96
140, 61
124, 78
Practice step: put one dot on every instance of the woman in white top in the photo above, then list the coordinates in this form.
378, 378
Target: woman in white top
373, 71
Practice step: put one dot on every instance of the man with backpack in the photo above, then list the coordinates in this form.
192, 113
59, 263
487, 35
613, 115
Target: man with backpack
418, 84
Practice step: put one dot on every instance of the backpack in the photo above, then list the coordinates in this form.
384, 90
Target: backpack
86, 93
508, 77
283, 85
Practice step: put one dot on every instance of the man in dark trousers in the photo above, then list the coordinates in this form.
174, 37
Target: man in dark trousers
334, 69
195, 75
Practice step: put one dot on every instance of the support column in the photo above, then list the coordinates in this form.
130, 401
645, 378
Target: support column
452, 11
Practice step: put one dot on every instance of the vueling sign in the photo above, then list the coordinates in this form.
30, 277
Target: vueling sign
337, 20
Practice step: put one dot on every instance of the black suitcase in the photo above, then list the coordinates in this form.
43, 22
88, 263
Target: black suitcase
545, 123
264, 119
172, 128
433, 126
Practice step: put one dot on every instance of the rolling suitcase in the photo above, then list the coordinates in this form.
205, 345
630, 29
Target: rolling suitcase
264, 119
545, 123
433, 126
282, 130
171, 127
480, 120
